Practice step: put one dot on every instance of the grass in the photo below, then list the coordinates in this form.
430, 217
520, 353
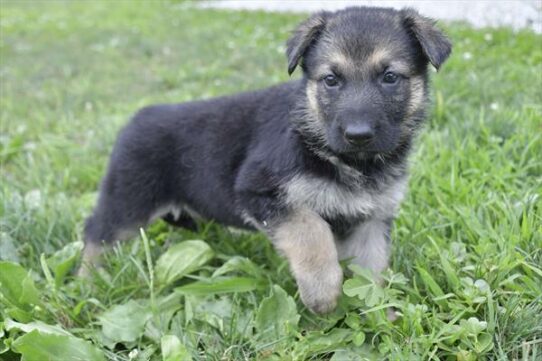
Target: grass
467, 261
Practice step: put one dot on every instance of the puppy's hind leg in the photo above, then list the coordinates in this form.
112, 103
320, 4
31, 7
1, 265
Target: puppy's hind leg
125, 204
307, 242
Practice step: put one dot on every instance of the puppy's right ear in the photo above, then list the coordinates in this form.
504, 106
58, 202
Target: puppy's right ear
305, 34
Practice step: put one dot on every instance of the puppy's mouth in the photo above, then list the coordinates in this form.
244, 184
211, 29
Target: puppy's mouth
366, 151
360, 148
357, 159
359, 154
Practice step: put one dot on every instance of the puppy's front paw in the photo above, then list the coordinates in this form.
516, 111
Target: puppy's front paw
320, 289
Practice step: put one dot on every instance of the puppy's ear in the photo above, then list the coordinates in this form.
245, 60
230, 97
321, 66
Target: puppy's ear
305, 34
435, 45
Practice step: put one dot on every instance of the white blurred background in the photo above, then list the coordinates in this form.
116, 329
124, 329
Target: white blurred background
480, 13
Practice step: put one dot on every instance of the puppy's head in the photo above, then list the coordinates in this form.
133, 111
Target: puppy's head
366, 73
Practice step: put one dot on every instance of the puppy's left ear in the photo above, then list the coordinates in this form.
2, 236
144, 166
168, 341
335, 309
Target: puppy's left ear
302, 38
435, 45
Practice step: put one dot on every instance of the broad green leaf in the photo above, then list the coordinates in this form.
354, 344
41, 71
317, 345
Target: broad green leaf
277, 314
222, 314
367, 291
62, 261
364, 287
239, 264
375, 297
357, 287
125, 323
214, 311
317, 342
220, 285
159, 323
356, 354
360, 271
18, 314
17, 286
182, 259
173, 349
37, 346
35, 325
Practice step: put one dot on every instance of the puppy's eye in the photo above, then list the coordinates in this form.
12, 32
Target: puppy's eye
390, 78
331, 80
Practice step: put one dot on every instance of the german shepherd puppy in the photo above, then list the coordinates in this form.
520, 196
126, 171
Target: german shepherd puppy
318, 164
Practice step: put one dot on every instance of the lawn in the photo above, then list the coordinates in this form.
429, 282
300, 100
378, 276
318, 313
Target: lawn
466, 273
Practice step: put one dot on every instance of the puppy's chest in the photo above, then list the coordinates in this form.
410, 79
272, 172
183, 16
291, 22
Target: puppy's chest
333, 200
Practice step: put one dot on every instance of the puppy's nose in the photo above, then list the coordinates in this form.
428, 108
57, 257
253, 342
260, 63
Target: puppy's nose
359, 133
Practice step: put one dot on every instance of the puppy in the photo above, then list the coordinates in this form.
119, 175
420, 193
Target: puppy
319, 164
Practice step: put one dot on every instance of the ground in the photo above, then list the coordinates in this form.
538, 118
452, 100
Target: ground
466, 272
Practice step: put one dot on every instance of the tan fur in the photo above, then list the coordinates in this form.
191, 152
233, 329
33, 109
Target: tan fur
89, 258
330, 198
341, 61
307, 242
367, 246
311, 91
377, 57
417, 95
399, 67
309, 118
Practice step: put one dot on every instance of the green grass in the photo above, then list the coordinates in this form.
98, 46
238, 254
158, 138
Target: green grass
467, 261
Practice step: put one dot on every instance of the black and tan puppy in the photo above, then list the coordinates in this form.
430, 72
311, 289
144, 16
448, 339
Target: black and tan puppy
318, 164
